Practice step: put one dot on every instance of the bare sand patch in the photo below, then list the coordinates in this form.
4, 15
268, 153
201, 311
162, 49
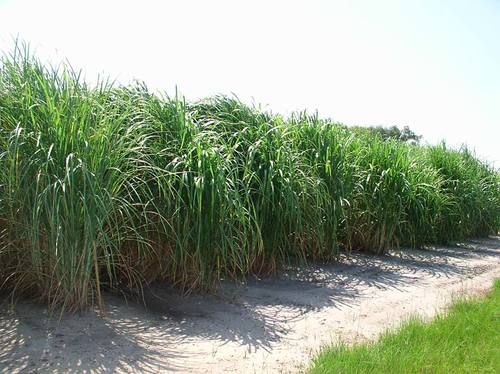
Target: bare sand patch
270, 325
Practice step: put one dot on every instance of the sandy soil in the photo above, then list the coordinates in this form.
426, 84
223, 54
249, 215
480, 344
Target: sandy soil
263, 326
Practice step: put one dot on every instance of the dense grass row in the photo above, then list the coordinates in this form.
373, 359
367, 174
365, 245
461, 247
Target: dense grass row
113, 186
464, 340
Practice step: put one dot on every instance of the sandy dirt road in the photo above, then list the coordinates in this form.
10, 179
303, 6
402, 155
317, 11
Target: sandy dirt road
271, 325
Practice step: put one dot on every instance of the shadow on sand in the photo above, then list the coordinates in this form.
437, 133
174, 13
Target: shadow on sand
132, 337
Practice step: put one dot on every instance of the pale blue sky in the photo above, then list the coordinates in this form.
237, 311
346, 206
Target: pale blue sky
432, 65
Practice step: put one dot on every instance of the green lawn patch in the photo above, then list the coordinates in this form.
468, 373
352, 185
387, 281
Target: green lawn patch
464, 340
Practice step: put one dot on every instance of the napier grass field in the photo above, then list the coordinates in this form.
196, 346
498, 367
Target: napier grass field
113, 187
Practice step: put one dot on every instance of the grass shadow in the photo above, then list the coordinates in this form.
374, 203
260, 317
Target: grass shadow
257, 314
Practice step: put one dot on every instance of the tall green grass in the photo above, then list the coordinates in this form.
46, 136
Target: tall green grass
114, 186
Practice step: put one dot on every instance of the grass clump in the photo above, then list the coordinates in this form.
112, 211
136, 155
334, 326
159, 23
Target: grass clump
75, 199
114, 186
464, 340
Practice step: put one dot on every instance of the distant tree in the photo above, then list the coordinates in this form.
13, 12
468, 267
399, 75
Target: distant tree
393, 132
408, 134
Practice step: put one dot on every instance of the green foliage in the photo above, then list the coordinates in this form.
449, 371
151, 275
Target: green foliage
465, 340
390, 133
116, 187
472, 190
